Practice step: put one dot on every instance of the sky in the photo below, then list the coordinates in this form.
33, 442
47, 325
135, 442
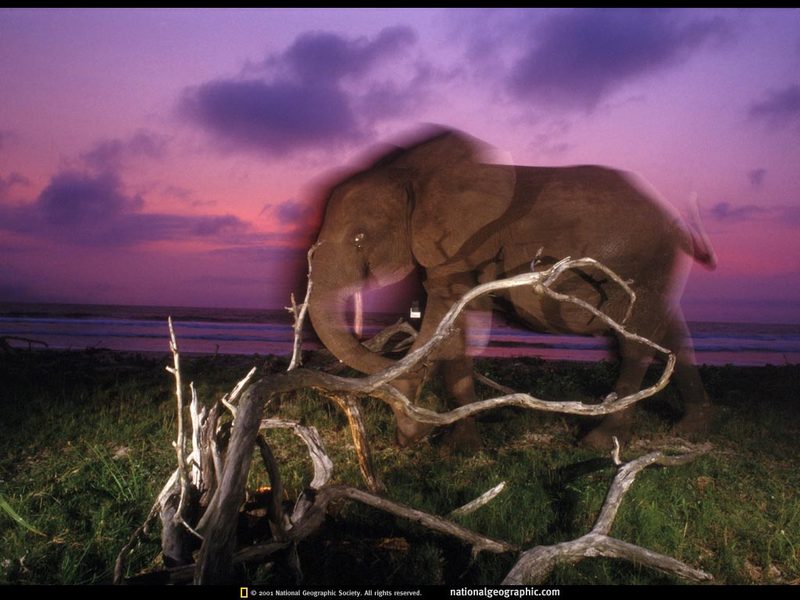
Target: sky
176, 156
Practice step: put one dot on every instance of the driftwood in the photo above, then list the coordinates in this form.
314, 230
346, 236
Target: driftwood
323, 466
482, 500
350, 407
536, 564
6, 347
203, 498
299, 313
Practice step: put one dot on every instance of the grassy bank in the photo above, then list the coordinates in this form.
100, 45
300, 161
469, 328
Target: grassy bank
85, 447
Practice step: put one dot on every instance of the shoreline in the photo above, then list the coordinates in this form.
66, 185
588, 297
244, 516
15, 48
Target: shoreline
311, 356
230, 332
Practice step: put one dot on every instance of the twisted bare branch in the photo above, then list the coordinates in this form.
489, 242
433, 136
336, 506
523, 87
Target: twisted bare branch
478, 542
536, 564
482, 500
323, 465
180, 444
350, 407
300, 315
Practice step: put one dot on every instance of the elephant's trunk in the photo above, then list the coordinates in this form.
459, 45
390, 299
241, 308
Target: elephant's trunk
327, 309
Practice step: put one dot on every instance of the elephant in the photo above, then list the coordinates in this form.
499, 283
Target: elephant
434, 207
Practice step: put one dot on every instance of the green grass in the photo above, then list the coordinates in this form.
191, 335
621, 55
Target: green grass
85, 447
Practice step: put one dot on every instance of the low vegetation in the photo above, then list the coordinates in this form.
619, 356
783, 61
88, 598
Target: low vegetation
85, 447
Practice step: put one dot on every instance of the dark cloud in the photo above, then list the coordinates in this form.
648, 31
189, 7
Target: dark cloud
272, 117
725, 211
298, 224
756, 177
779, 107
152, 227
75, 198
322, 57
110, 154
291, 212
303, 98
271, 251
786, 215
577, 58
85, 209
213, 225
14, 179
187, 196
790, 215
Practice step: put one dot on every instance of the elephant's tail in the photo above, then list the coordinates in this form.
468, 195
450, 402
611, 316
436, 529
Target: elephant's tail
702, 250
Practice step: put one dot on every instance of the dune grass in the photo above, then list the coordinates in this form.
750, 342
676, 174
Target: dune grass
85, 447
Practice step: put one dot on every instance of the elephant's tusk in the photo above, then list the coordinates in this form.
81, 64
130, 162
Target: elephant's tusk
358, 323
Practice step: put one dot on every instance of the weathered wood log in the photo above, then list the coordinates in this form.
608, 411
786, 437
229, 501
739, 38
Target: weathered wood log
218, 524
299, 315
536, 564
503, 389
482, 500
478, 542
277, 516
180, 445
210, 459
6, 347
177, 543
379, 342
323, 465
177, 575
350, 407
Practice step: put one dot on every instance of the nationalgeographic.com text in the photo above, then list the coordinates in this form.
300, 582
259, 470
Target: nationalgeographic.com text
488, 592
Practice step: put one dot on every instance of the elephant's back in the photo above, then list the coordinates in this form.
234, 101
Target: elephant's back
570, 211
596, 212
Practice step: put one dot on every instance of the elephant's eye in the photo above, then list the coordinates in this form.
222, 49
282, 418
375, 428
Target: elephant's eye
358, 240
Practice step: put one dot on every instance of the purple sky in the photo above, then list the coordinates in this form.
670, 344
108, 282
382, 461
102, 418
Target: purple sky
170, 156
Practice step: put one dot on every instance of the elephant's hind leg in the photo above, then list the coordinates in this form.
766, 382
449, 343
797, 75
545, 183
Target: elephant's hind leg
635, 359
698, 410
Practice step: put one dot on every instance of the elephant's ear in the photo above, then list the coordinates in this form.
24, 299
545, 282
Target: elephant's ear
456, 197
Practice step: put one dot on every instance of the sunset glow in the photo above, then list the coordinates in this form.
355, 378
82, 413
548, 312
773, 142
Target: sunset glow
175, 157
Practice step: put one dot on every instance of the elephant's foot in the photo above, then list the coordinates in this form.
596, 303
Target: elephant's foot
407, 435
601, 438
463, 438
696, 421
409, 432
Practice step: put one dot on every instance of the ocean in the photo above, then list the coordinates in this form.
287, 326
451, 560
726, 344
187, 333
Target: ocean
249, 331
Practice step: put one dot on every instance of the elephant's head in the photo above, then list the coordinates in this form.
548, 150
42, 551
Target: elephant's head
419, 206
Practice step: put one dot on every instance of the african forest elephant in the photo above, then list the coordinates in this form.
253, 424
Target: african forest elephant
436, 208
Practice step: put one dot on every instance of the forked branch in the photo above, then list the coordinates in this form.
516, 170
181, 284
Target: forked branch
299, 313
536, 564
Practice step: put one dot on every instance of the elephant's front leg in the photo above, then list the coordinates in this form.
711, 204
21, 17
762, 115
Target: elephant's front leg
456, 367
458, 378
409, 431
